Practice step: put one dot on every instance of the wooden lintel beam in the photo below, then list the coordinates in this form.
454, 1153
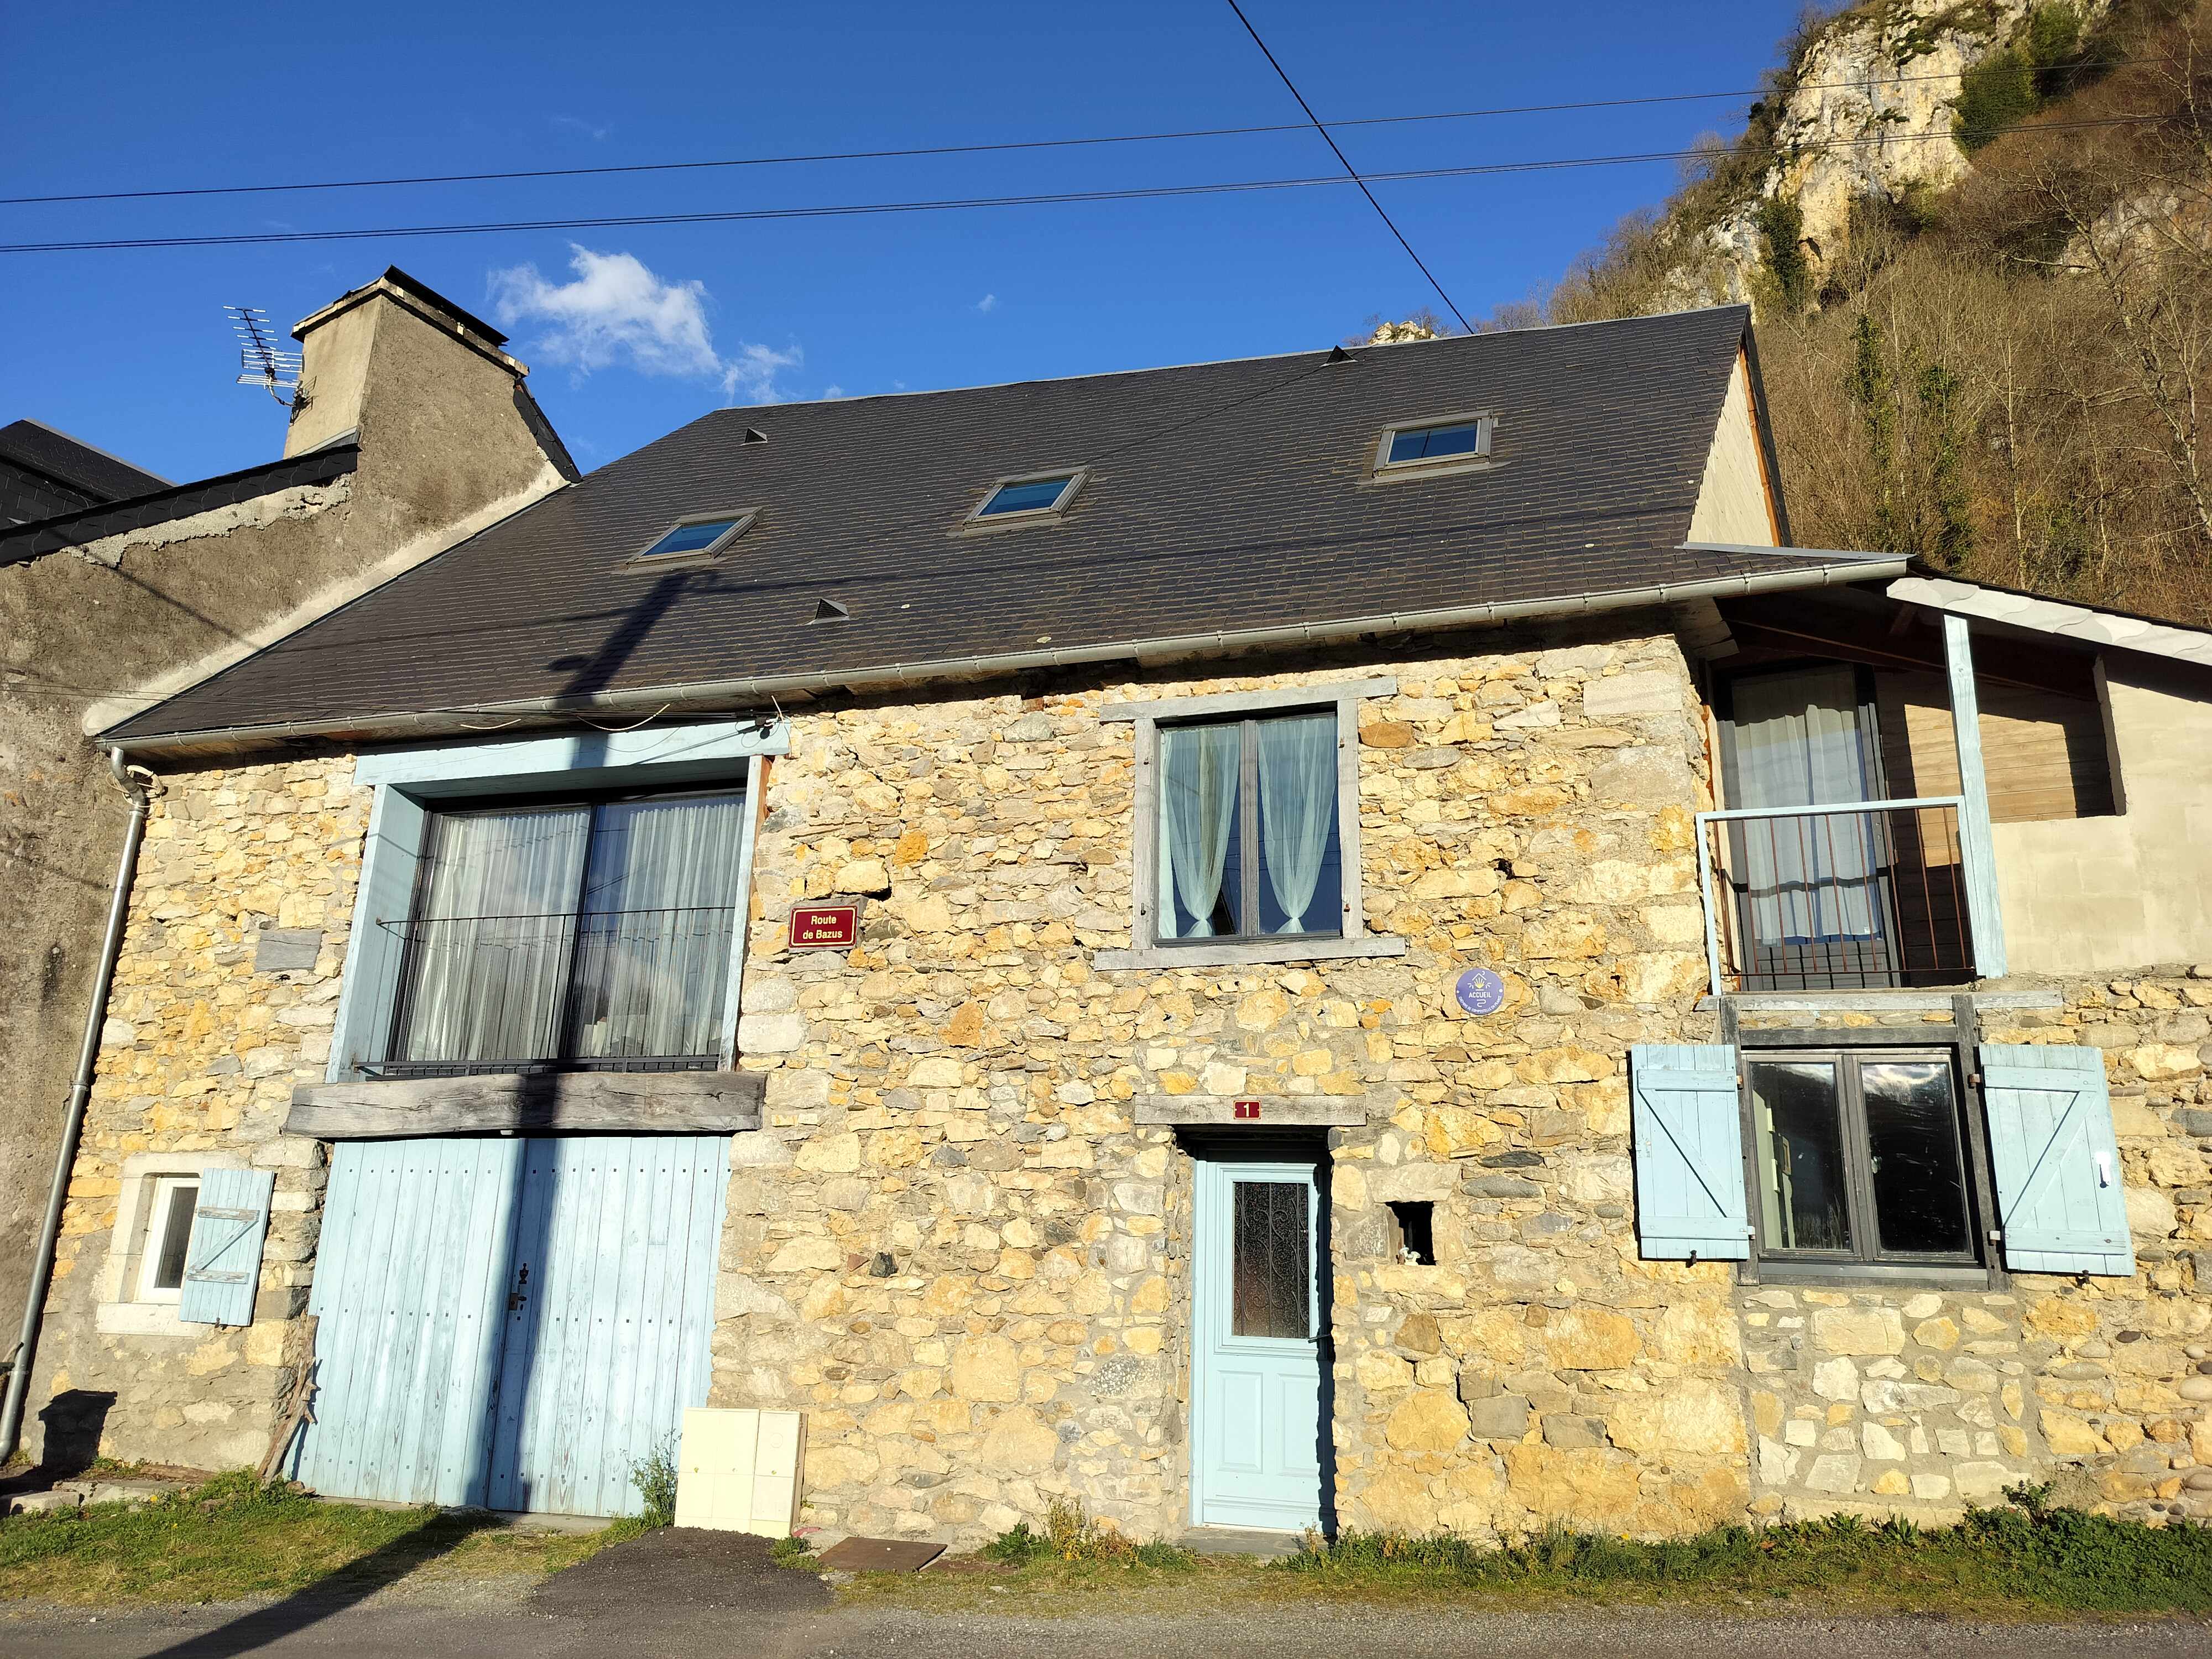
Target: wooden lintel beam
561, 1102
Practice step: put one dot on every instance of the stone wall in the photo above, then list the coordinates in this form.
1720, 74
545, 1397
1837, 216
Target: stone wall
200, 1052
1919, 1401
960, 1254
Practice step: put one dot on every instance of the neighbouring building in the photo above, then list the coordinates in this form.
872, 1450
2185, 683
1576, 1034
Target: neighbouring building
1351, 939
411, 430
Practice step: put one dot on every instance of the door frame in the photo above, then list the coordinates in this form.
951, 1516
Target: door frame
1215, 1164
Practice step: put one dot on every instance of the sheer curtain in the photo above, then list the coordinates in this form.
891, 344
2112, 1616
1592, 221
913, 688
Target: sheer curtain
488, 956
1198, 800
1298, 810
1797, 744
653, 939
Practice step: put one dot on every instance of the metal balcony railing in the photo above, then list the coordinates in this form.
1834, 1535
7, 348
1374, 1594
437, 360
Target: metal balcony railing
608, 990
1850, 896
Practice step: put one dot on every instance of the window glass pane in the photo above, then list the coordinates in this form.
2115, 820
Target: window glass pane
1272, 1260
688, 538
175, 1222
1025, 497
1428, 443
1912, 1132
1201, 830
1803, 1191
1301, 878
1798, 742
486, 960
652, 945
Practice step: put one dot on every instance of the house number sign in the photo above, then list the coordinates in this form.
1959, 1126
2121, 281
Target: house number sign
1244, 1108
825, 926
1480, 991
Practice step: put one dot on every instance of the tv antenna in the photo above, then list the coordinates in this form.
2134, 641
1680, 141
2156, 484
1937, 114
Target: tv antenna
275, 372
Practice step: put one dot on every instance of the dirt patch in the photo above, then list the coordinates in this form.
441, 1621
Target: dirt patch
677, 1569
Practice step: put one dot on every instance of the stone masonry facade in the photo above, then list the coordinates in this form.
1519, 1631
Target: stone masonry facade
953, 1246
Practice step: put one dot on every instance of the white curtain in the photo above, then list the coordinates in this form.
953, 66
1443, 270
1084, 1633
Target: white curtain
488, 956
653, 940
1797, 744
1298, 810
1198, 799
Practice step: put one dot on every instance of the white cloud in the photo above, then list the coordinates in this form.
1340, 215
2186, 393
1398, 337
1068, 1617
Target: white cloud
988, 304
833, 391
617, 311
590, 129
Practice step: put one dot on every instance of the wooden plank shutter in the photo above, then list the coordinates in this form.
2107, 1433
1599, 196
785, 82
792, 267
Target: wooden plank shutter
223, 1263
1691, 1201
2055, 1165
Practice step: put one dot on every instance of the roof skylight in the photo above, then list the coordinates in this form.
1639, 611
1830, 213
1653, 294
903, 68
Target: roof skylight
1034, 495
1454, 440
699, 537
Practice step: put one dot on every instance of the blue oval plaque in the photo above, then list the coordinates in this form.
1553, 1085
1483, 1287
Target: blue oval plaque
1480, 992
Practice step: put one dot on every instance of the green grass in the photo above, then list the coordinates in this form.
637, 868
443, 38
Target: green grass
2027, 1558
229, 1539
2026, 1562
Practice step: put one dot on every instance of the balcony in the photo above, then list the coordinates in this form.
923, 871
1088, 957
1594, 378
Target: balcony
1852, 897
619, 990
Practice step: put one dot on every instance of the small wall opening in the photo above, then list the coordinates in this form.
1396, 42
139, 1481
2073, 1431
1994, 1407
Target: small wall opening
1413, 1233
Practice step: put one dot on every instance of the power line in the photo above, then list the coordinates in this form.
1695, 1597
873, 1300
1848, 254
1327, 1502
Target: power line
810, 158
961, 203
1450, 304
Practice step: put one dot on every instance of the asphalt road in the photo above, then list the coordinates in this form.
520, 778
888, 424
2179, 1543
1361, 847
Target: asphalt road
683, 1594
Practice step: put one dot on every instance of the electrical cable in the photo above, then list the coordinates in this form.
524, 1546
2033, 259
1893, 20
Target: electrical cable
808, 159
1450, 304
960, 204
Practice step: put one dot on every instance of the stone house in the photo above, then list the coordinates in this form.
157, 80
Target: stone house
411, 428
1350, 940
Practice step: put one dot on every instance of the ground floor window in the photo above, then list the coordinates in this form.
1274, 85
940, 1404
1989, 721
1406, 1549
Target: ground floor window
1860, 1157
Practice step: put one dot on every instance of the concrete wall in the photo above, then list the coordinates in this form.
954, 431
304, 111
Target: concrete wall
2118, 892
88, 634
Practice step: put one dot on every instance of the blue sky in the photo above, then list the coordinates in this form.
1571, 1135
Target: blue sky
633, 331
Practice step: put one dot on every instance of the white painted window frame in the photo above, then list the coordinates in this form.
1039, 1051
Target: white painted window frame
161, 1211
1145, 949
123, 1308
411, 782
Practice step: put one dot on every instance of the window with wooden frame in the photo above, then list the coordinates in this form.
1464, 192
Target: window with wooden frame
1248, 829
1862, 1160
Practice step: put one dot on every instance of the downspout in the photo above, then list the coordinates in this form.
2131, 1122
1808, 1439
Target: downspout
111, 947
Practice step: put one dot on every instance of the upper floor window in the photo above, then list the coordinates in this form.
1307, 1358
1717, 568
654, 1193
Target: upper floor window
1248, 829
1249, 842
570, 934
1453, 442
1034, 496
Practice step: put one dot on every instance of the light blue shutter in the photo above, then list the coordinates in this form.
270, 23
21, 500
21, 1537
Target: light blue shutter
223, 1263
2056, 1165
1688, 1136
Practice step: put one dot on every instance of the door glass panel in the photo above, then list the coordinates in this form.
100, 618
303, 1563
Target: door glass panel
1798, 744
1913, 1134
1803, 1194
1271, 1270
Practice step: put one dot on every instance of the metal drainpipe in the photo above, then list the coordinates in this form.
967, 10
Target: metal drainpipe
111, 947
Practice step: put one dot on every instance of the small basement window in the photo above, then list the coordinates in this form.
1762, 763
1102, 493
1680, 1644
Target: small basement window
695, 539
1030, 497
1455, 440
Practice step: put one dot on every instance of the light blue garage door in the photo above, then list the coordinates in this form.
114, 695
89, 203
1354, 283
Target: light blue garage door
513, 1323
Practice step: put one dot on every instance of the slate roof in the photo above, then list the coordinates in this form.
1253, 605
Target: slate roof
44, 472
1221, 497
23, 542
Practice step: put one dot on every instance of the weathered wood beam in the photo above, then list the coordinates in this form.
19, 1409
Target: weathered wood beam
560, 1103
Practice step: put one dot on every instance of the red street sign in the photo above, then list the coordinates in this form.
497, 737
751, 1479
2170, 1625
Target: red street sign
825, 926
1244, 1108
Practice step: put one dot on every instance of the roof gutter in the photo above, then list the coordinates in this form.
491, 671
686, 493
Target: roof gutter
764, 689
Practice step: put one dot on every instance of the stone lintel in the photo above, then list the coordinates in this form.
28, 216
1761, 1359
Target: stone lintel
1276, 1111
558, 1102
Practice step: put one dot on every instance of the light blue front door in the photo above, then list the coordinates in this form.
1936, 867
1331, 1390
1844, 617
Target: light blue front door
1256, 1383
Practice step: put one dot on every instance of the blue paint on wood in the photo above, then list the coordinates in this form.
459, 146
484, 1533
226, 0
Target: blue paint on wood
2054, 1160
222, 1259
1686, 1134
